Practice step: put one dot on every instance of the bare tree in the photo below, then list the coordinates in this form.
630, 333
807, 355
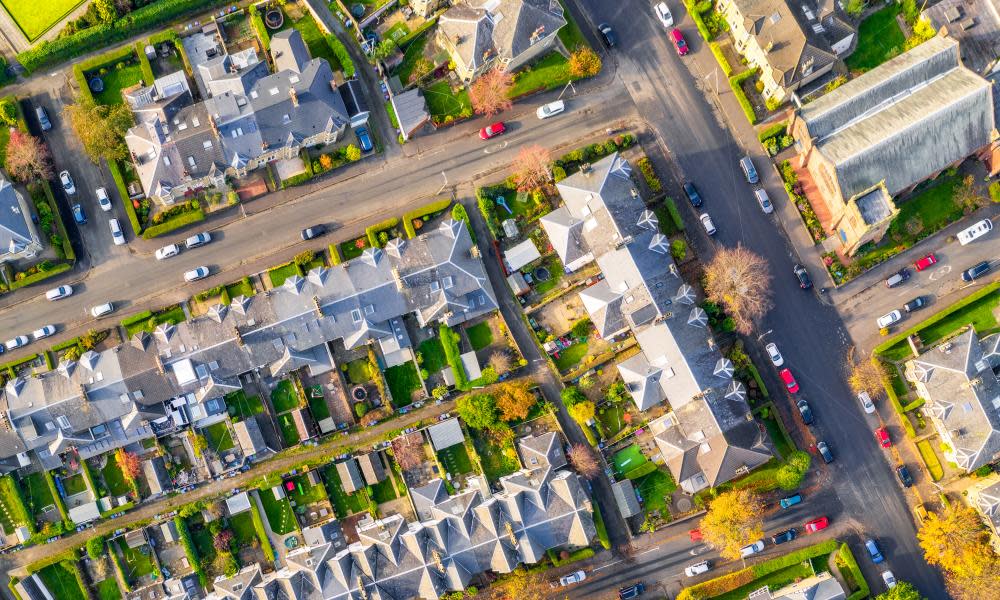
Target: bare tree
531, 168
408, 450
739, 281
27, 157
583, 460
868, 374
490, 93
500, 361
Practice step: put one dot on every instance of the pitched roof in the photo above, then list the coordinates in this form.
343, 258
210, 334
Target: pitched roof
565, 235
446, 434
482, 30
628, 503
249, 437
16, 230
371, 467
289, 51
350, 475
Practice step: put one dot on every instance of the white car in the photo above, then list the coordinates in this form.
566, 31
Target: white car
17, 342
698, 568
198, 239
889, 319
866, 402
102, 310
706, 221
102, 199
59, 293
168, 252
764, 201
116, 232
67, 182
889, 579
196, 274
975, 232
752, 549
772, 351
551, 109
663, 14
572, 578
43, 332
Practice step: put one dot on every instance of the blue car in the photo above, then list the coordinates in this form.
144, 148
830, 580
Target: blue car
874, 551
78, 215
364, 139
791, 501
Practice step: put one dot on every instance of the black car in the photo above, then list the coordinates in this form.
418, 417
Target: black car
692, 194
313, 232
784, 536
805, 411
632, 591
915, 304
824, 451
976, 272
904, 475
607, 35
805, 282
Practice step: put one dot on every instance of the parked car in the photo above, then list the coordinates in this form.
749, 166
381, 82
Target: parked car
697, 568
904, 476
680, 44
575, 577
925, 262
866, 402
789, 379
889, 579
695, 535
59, 293
102, 310
805, 282
117, 235
78, 215
973, 273
805, 412
196, 274
607, 35
790, 501
764, 201
873, 551
491, 131
663, 14
889, 319
17, 342
198, 239
897, 278
775, 356
102, 199
817, 525
975, 232
67, 183
751, 549
706, 221
43, 332
785, 536
633, 591
43, 118
749, 171
550, 110
364, 140
168, 251
915, 304
824, 451
882, 435
313, 232
692, 194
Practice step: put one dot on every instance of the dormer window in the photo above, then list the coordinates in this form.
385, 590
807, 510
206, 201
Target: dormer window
195, 122
448, 282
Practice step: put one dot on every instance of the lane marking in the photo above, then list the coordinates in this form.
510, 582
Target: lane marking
610, 564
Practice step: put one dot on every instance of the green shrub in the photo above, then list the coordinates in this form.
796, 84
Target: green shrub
995, 191
771, 131
192, 554
727, 69
260, 29
736, 83
642, 470
182, 220
51, 270
452, 354
258, 525
675, 214
427, 209
649, 174
133, 219
847, 563
343, 57
678, 249
459, 214
373, 231
335, 258
488, 210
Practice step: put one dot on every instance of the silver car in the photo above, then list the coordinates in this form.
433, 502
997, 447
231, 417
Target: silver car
889, 319
196, 274
116, 232
198, 239
43, 332
102, 310
17, 342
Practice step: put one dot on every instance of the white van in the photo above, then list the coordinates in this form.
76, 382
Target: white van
975, 232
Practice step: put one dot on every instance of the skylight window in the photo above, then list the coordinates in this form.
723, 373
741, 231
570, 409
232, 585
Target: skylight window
273, 91
370, 309
206, 144
195, 122
166, 160
191, 161
293, 79
448, 282
356, 315
182, 126
435, 286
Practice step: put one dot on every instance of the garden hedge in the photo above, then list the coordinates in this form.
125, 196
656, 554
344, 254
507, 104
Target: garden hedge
727, 69
453, 356
846, 561
108, 59
260, 28
171, 36
343, 57
771, 131
641, 471
181, 220
192, 554
426, 210
133, 218
693, 10
144, 66
258, 524
67, 246
335, 258
602, 530
735, 82
488, 211
675, 214
459, 213
56, 269
373, 230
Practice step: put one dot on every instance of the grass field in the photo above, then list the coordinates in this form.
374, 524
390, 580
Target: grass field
611, 418
570, 357
383, 491
289, 433
136, 562
655, 490
359, 371
628, 459
75, 484
108, 589
242, 406
879, 39
455, 459
278, 512
115, 80
278, 275
344, 504
13, 513
305, 493
35, 19
36, 493
62, 579
284, 396
413, 52
442, 103
403, 381
114, 479
433, 354
243, 529
551, 71
496, 460
219, 437
555, 268
317, 405
315, 41
201, 537
480, 336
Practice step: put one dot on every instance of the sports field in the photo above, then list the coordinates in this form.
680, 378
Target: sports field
35, 18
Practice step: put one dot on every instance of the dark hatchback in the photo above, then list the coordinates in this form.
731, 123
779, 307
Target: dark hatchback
805, 282
784, 536
805, 411
364, 139
974, 273
692, 194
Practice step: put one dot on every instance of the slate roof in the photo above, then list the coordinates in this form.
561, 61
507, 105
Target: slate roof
350, 475
289, 50
822, 586
249, 437
544, 450
482, 30
446, 434
987, 501
976, 26
371, 467
16, 229
959, 381
904, 120
628, 503
564, 231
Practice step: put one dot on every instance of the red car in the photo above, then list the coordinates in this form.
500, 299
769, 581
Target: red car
679, 42
695, 535
491, 131
925, 262
789, 379
817, 524
882, 435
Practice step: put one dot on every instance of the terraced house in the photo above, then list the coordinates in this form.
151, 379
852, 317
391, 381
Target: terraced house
709, 437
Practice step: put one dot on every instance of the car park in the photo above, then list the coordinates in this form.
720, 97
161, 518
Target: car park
897, 278
313, 232
915, 304
706, 221
78, 215
775, 356
575, 577
764, 201
632, 591
59, 293
825, 452
364, 139
904, 475
925, 262
168, 251
198, 239
607, 35
692, 194
805, 412
889, 319
805, 282
43, 118
882, 435
117, 235
751, 549
749, 171
817, 525
663, 14
698, 568
17, 342
973, 273
67, 183
873, 551
491, 131
789, 380
102, 309
196, 274
785, 536
680, 44
550, 110
970, 234
790, 501
866, 402
43, 332
102, 199
889, 579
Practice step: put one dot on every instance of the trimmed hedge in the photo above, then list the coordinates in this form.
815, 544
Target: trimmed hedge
772, 131
87, 40
133, 218
602, 530
404, 41
719, 56
192, 554
40, 276
260, 28
489, 213
335, 258
343, 57
459, 213
695, 13
96, 62
846, 561
641, 471
147, 69
372, 231
67, 246
453, 356
576, 555
426, 210
258, 524
181, 220
735, 82
675, 214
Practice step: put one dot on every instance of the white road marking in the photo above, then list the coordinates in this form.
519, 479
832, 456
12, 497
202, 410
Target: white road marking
610, 564
654, 549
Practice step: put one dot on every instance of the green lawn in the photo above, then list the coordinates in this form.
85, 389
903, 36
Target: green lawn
34, 19
551, 71
383, 491
359, 371
14, 512
933, 206
570, 35
136, 562
413, 52
443, 103
284, 397
240, 288
202, 538
172, 314
397, 31
305, 493
243, 529
114, 479
455, 460
219, 437
315, 41
979, 313
278, 275
497, 461
75, 484
115, 80
403, 381
63, 581
627, 459
350, 248
655, 490
242, 406
781, 442
555, 268
570, 357
879, 39
344, 504
279, 513
775, 581
610, 416
289, 432
480, 336
36, 493
317, 405
433, 354
108, 589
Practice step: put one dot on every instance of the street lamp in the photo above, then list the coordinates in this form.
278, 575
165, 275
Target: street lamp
763, 334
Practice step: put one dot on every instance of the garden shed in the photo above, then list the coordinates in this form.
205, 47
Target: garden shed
522, 254
446, 434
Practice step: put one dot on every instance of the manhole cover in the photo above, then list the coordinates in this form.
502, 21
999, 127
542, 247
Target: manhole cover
683, 505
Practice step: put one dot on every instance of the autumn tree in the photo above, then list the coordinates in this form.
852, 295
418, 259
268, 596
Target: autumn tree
956, 542
500, 361
518, 584
223, 540
867, 374
408, 450
738, 280
128, 463
967, 197
490, 93
352, 153
903, 591
101, 128
975, 586
582, 411
514, 399
584, 62
531, 168
479, 411
27, 157
571, 395
421, 68
583, 460
734, 519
